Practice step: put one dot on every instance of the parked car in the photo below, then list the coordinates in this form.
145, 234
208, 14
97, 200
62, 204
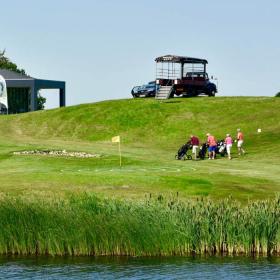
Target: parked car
191, 84
147, 90
135, 91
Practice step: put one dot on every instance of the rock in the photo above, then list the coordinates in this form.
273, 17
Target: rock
63, 153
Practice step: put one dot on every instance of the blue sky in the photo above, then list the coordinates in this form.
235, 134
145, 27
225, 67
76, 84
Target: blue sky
103, 48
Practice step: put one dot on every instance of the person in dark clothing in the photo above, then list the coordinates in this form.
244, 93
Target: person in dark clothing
195, 145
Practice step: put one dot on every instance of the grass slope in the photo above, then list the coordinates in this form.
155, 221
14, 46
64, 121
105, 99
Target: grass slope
152, 132
56, 205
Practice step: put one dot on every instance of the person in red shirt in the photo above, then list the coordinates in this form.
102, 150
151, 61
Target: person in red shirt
195, 144
212, 145
240, 140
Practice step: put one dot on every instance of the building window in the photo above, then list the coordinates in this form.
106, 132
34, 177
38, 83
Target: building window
18, 100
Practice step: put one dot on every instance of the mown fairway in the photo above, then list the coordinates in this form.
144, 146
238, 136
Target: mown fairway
152, 132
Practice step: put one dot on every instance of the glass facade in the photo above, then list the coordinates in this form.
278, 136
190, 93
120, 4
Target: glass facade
18, 100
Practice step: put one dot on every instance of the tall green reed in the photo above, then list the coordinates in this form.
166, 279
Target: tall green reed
88, 225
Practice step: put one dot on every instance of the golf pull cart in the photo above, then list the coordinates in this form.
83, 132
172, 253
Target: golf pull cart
182, 76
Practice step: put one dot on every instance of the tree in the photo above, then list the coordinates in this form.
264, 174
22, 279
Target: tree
41, 102
277, 94
5, 63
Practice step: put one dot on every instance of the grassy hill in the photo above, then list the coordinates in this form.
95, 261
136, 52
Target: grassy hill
151, 132
89, 206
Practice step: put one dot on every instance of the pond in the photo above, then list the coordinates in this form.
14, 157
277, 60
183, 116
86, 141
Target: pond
139, 268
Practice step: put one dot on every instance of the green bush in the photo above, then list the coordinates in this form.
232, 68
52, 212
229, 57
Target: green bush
277, 94
41, 102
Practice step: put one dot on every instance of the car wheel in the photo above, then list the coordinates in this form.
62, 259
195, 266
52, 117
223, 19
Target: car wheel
211, 94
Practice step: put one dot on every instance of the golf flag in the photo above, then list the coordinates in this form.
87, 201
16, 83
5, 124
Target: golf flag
116, 139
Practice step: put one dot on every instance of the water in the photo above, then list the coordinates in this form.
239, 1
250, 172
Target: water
140, 268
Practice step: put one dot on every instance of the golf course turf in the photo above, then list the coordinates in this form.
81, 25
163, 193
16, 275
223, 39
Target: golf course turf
41, 192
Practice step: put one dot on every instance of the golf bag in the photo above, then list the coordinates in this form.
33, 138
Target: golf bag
221, 148
202, 151
182, 152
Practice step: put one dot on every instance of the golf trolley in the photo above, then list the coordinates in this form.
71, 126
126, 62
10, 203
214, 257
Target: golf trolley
182, 153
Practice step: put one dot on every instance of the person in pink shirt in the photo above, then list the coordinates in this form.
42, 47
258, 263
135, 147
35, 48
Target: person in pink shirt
228, 142
212, 145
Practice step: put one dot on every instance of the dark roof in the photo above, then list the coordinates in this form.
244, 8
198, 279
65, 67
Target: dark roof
11, 75
14, 79
180, 59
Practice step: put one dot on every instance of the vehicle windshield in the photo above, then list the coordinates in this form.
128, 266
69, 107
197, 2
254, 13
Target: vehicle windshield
196, 75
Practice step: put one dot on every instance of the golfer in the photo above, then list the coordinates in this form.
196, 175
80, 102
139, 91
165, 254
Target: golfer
212, 145
195, 144
240, 140
228, 142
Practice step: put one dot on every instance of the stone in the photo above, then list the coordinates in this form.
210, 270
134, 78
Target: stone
63, 153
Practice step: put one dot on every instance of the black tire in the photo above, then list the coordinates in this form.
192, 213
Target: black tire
211, 94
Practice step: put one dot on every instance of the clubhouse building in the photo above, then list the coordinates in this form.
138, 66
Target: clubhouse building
22, 91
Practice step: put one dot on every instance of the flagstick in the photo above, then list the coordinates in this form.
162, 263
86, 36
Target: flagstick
120, 153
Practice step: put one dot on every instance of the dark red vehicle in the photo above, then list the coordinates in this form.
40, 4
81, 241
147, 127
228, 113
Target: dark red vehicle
181, 75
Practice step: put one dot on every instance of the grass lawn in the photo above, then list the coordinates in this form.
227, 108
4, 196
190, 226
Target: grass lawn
152, 132
89, 206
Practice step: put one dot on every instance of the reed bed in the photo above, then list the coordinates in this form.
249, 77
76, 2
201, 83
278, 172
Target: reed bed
88, 225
